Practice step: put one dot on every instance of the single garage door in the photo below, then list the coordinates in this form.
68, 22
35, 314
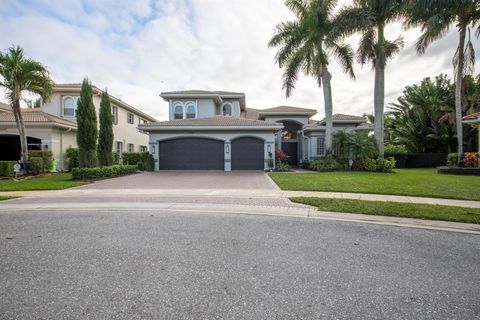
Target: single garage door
191, 154
247, 154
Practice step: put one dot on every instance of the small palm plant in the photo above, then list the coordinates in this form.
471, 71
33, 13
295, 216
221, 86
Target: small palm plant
18, 75
306, 45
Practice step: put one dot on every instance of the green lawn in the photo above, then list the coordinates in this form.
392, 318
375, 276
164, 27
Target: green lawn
6, 198
394, 209
49, 182
408, 182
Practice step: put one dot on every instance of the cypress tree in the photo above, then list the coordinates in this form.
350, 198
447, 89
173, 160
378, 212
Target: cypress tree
105, 135
87, 131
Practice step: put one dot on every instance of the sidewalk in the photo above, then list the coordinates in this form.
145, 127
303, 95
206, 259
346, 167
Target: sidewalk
245, 193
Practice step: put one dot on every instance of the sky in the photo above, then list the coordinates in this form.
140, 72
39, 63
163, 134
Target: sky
140, 48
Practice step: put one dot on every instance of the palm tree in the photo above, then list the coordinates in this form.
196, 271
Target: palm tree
306, 45
19, 74
436, 17
370, 17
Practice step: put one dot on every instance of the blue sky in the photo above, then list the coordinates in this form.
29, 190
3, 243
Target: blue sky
139, 48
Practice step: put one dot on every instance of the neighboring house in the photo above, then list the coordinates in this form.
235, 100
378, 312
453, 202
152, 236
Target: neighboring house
214, 130
53, 126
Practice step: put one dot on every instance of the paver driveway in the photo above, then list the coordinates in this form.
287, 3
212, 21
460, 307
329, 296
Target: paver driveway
189, 180
161, 189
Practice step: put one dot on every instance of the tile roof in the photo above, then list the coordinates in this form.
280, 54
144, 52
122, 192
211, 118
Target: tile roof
36, 116
472, 116
288, 109
345, 117
203, 92
217, 121
251, 113
5, 107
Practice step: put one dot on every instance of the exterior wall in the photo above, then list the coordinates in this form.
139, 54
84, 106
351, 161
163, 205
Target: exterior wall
206, 107
122, 131
226, 136
276, 118
53, 139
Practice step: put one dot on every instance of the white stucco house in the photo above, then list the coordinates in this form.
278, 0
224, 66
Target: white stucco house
214, 130
53, 126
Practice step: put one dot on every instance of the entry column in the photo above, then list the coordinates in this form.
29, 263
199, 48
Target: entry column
228, 155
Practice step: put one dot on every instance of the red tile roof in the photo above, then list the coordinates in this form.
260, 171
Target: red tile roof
36, 116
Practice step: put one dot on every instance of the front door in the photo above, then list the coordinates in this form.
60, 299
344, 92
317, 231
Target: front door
291, 150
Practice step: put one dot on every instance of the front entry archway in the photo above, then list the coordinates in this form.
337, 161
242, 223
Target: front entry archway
289, 144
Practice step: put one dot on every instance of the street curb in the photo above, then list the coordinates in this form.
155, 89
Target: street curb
292, 212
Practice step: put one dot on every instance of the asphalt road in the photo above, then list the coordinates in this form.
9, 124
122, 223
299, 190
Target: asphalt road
154, 265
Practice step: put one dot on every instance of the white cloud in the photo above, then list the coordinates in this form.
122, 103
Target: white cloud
139, 48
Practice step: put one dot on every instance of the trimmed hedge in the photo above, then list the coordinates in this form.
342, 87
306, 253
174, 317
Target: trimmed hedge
36, 165
459, 170
6, 168
138, 158
46, 156
72, 156
102, 172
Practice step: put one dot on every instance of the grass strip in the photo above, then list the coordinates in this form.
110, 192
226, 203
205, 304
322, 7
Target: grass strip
394, 209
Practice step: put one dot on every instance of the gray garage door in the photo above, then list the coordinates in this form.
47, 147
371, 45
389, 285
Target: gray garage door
191, 154
247, 154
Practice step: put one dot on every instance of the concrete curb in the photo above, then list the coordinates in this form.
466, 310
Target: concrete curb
293, 212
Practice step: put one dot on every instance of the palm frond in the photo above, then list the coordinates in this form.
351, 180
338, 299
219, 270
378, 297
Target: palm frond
393, 47
367, 50
351, 20
344, 53
290, 76
433, 29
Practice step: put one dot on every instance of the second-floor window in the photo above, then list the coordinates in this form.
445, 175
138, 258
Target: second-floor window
227, 109
178, 112
69, 106
190, 111
130, 118
186, 110
115, 115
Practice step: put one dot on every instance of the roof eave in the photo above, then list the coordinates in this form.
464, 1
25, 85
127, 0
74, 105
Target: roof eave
212, 128
275, 113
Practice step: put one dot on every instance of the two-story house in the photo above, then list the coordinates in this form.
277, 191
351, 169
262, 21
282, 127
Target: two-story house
214, 130
53, 126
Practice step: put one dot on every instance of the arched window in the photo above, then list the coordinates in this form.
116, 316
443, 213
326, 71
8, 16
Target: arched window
190, 111
178, 111
69, 107
227, 109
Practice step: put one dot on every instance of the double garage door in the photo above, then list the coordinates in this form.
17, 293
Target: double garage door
208, 154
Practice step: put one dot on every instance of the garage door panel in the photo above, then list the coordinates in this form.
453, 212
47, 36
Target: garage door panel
247, 154
191, 154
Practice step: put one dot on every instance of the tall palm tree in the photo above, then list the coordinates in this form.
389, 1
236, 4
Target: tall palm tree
436, 17
370, 17
19, 74
306, 45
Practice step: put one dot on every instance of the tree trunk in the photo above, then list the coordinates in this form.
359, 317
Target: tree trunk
327, 96
21, 132
379, 92
458, 92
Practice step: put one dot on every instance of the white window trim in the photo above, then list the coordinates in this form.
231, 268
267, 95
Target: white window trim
75, 102
187, 104
231, 108
175, 105
115, 114
128, 118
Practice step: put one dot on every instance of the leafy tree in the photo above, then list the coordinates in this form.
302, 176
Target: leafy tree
418, 117
20, 74
370, 17
436, 17
86, 127
306, 45
355, 145
105, 136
